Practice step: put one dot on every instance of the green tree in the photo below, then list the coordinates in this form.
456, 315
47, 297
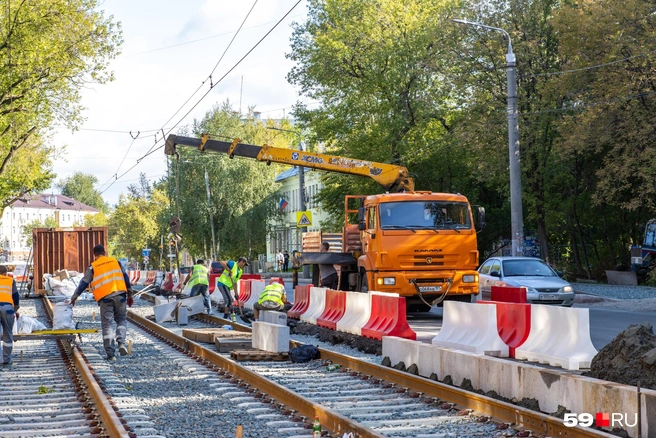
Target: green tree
49, 49
242, 191
134, 224
81, 187
49, 222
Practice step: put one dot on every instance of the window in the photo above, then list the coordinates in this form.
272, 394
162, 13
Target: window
485, 269
371, 218
496, 266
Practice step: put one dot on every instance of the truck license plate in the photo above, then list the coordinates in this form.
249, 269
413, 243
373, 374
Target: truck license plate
430, 288
548, 297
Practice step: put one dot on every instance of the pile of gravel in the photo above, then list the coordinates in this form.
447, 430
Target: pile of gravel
629, 358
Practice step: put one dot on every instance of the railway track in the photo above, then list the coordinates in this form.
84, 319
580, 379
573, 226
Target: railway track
50, 390
367, 399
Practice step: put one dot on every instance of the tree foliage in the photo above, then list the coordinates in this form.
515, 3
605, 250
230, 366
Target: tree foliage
399, 82
49, 49
242, 192
81, 187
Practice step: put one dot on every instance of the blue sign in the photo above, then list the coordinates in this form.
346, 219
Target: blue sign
145, 252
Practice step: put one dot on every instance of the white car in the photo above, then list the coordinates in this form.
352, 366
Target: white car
543, 285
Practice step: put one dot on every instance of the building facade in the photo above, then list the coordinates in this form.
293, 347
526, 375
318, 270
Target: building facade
286, 233
66, 212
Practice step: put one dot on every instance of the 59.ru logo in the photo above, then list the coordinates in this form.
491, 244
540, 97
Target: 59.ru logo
600, 419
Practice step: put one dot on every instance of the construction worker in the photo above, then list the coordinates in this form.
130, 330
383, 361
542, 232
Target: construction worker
231, 274
111, 290
273, 297
9, 304
327, 272
199, 282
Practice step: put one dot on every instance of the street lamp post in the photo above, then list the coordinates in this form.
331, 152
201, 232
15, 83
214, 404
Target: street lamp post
301, 190
516, 222
209, 207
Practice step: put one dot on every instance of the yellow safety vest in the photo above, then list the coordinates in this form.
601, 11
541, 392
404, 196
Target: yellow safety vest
272, 292
236, 275
107, 277
198, 276
6, 284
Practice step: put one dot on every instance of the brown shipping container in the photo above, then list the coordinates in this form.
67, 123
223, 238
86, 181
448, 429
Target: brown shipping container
64, 248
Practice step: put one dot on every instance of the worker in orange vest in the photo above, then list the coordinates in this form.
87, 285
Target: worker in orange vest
9, 304
111, 289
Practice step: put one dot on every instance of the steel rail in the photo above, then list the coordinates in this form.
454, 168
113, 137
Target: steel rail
535, 421
108, 418
499, 410
328, 418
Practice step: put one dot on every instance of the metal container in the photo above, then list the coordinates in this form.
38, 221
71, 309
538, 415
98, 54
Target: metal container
64, 248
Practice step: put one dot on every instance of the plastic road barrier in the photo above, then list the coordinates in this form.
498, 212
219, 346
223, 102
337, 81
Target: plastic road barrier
470, 327
506, 294
333, 310
560, 336
513, 323
317, 304
301, 301
257, 286
244, 291
387, 318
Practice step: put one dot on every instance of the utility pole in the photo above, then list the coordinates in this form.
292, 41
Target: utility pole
516, 216
209, 207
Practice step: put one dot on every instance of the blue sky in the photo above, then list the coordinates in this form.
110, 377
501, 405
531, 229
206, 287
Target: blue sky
170, 47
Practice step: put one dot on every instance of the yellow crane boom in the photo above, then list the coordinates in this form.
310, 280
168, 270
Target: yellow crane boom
389, 176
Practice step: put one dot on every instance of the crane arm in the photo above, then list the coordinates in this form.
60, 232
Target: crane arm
389, 176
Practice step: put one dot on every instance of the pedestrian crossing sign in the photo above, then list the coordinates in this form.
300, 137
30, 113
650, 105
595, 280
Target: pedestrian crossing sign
304, 218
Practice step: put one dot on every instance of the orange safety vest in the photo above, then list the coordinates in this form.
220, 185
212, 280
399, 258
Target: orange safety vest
107, 277
6, 284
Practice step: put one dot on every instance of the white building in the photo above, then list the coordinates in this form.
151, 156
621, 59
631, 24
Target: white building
67, 212
286, 234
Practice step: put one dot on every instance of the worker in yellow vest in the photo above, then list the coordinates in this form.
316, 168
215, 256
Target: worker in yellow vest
273, 297
111, 289
232, 272
9, 304
198, 279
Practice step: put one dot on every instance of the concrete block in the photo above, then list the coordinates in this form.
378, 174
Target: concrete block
194, 305
269, 337
400, 350
273, 317
165, 312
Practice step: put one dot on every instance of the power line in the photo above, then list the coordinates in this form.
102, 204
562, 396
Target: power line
592, 67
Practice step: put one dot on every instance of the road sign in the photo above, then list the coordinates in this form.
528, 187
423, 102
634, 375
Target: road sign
145, 252
304, 218
145, 259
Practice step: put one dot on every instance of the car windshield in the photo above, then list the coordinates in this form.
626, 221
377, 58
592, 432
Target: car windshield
527, 268
421, 215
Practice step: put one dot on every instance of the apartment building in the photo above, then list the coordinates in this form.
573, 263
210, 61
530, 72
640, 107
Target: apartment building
67, 212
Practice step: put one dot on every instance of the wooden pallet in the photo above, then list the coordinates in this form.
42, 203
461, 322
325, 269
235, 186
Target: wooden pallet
209, 335
258, 355
228, 345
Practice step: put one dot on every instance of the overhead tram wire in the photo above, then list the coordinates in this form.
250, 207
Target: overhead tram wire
151, 150
209, 77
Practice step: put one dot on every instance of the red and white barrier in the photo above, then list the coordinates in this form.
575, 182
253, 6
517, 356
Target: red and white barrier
388, 318
143, 276
317, 304
333, 310
560, 336
358, 311
244, 291
257, 286
470, 327
301, 301
513, 323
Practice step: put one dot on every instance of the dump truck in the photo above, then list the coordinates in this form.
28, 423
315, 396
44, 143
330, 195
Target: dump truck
419, 244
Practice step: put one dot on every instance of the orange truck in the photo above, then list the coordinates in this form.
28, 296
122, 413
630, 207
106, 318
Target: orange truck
419, 244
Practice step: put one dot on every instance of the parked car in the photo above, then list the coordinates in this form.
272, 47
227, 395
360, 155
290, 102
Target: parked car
185, 269
543, 284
